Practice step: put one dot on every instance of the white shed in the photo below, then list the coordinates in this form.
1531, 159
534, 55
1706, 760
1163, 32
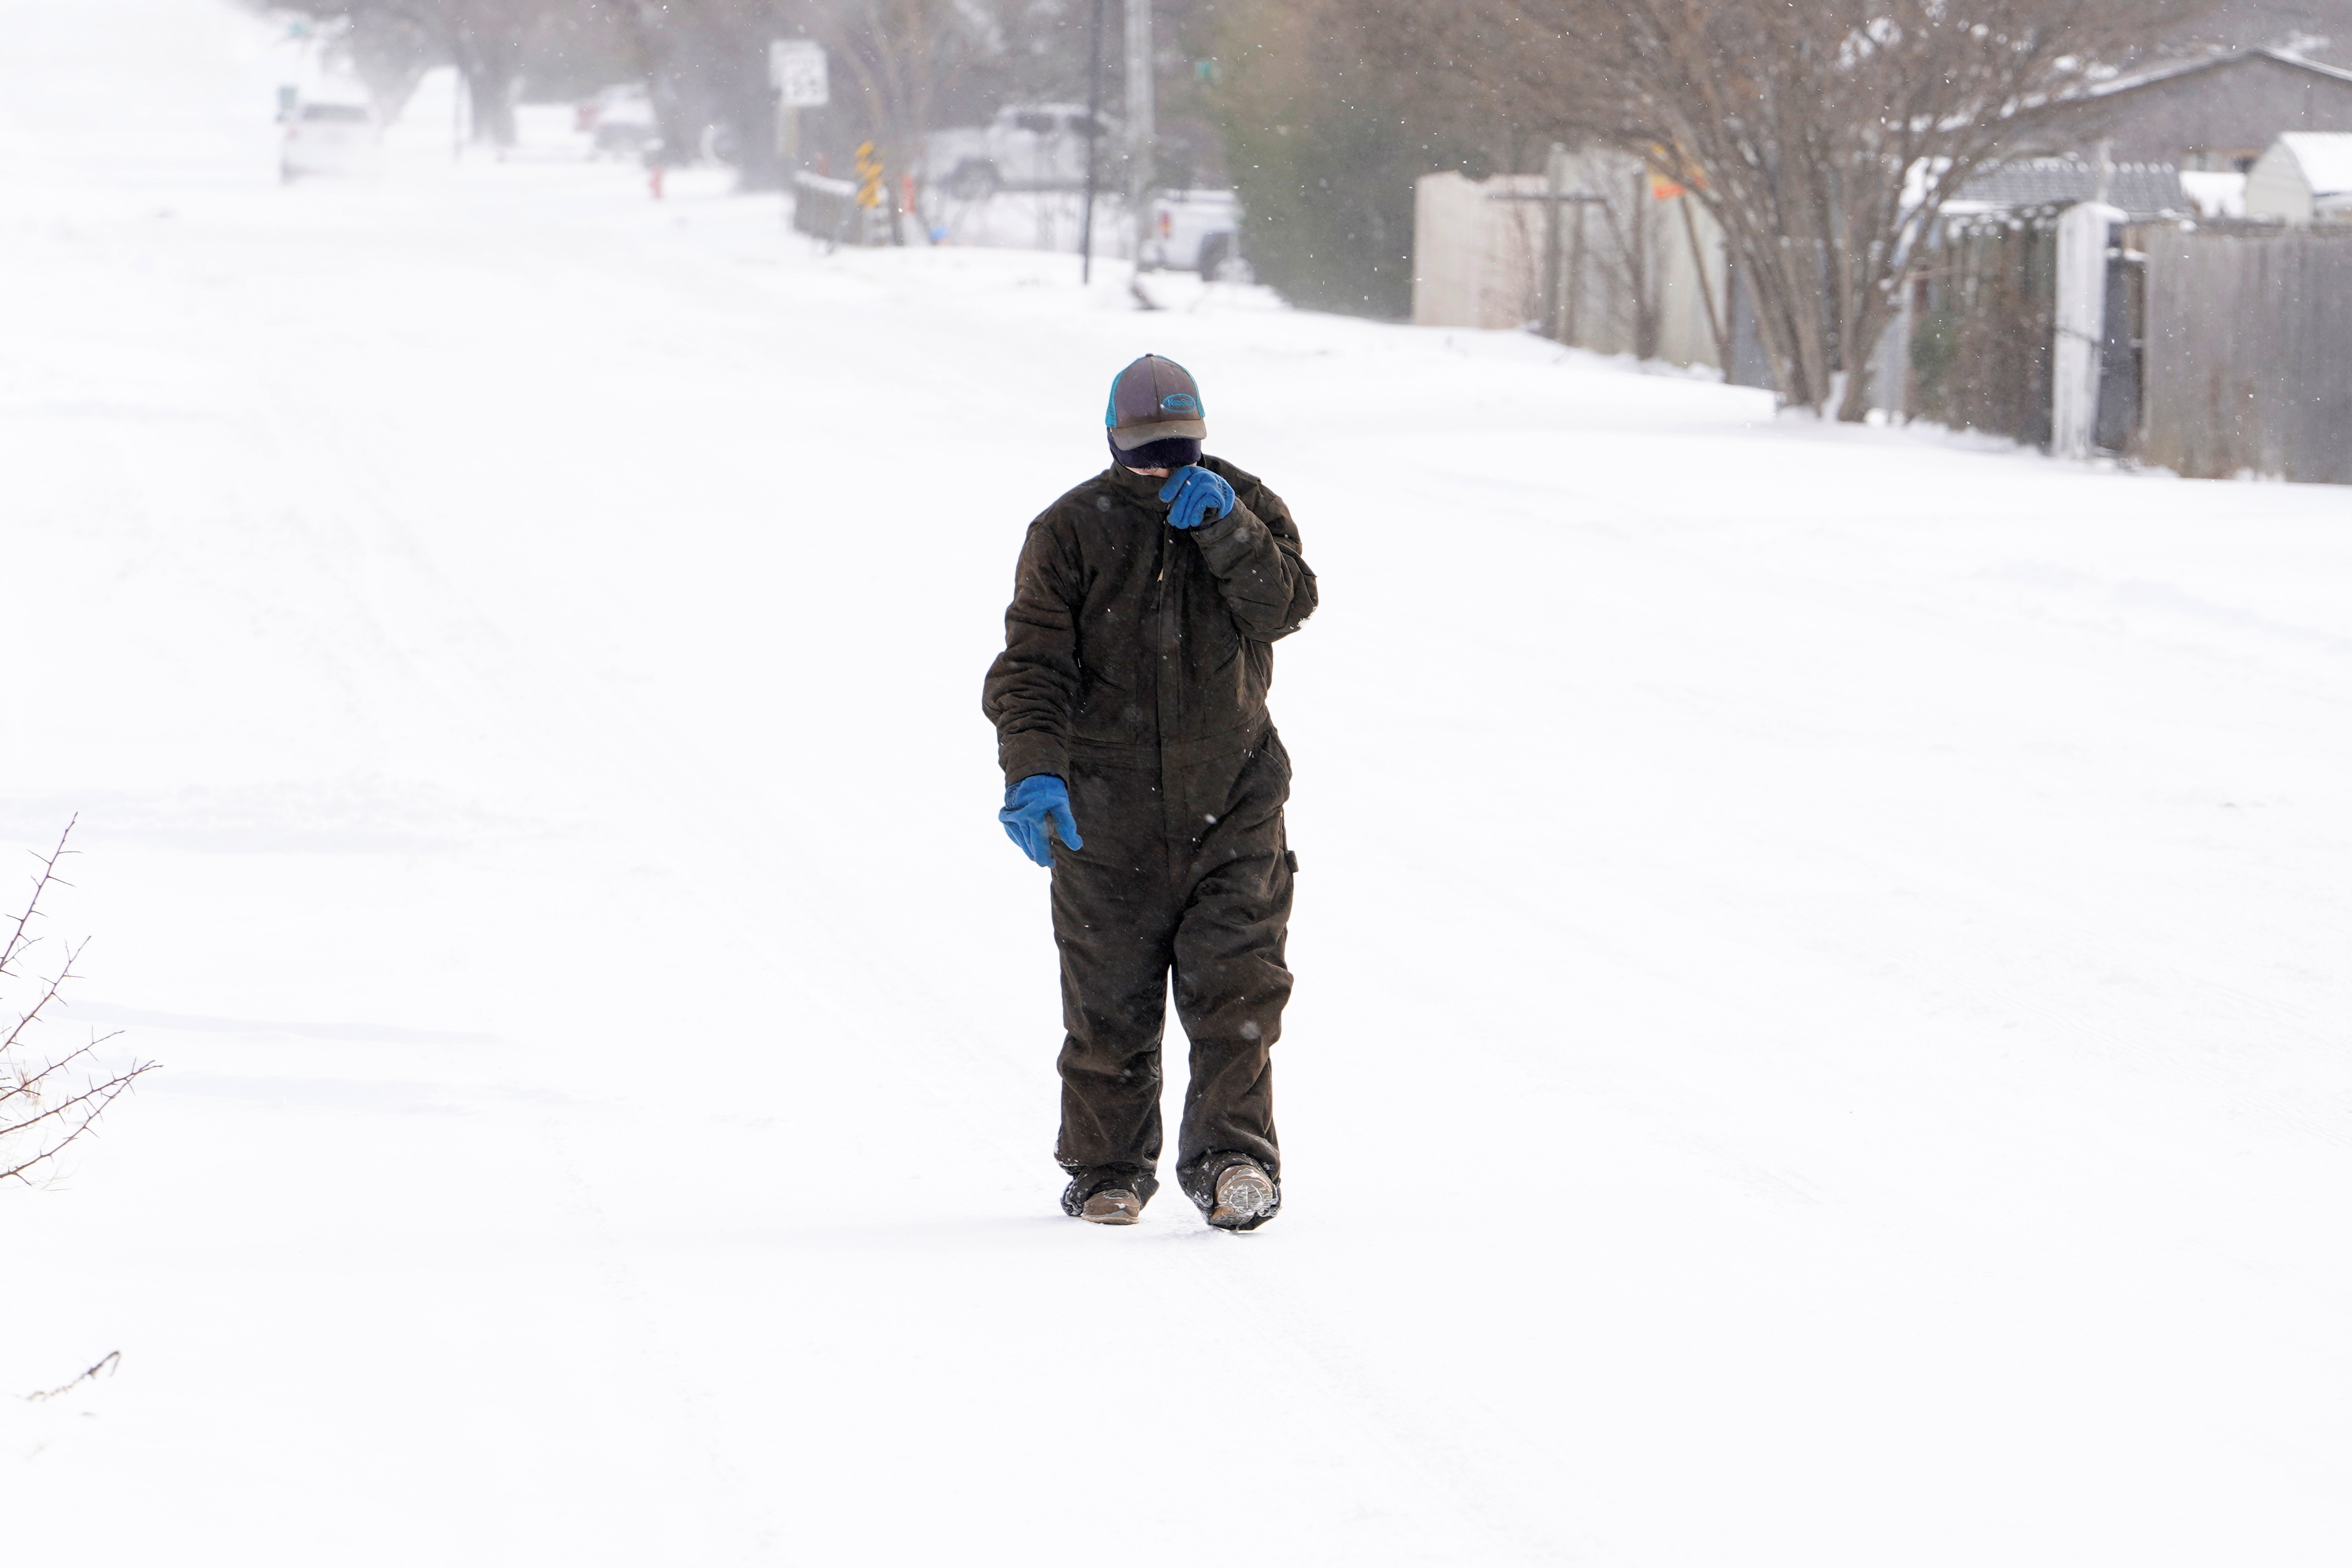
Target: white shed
2304, 178
1627, 250
1477, 249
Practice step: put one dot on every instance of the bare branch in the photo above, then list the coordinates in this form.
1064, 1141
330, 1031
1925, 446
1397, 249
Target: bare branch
72, 1118
28, 1084
32, 1016
107, 1363
17, 939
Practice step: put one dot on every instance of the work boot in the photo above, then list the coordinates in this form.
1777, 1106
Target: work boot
1112, 1205
1122, 1190
1245, 1198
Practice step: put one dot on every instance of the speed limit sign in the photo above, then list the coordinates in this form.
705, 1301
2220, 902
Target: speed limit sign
796, 70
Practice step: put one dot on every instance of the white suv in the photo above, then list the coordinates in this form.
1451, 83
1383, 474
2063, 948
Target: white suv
1024, 147
328, 138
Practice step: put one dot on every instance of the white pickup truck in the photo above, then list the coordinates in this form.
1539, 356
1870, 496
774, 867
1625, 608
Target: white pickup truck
1196, 231
1024, 147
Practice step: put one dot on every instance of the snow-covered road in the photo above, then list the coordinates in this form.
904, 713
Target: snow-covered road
1821, 1038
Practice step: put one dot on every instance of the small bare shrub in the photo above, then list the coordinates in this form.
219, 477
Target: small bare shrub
47, 1103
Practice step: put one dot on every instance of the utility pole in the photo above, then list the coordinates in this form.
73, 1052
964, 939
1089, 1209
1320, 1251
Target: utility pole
1138, 122
1094, 148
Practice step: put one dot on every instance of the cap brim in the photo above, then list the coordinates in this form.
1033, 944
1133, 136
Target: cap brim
1136, 436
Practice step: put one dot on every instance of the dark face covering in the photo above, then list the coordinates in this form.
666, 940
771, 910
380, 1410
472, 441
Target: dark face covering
1176, 452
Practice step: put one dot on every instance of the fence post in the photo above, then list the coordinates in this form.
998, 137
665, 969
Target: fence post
2081, 323
1555, 187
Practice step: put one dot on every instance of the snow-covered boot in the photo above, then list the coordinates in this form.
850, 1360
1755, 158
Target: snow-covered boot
1112, 1205
1245, 1198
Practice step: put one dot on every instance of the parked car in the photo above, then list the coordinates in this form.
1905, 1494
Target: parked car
328, 138
619, 120
1195, 231
1024, 147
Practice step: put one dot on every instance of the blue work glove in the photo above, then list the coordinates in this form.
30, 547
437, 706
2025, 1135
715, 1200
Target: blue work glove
1195, 496
1038, 806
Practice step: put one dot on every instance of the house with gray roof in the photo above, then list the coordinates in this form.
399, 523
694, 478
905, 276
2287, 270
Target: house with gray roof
2215, 112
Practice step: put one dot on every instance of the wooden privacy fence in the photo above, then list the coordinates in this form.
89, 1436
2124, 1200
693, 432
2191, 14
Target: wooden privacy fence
2249, 354
1983, 306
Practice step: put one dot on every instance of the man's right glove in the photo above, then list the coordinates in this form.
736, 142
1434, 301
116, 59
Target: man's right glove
1035, 808
1194, 495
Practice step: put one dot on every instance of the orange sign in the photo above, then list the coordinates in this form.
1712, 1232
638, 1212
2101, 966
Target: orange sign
1665, 187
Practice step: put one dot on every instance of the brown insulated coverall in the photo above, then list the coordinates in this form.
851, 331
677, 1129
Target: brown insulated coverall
1136, 664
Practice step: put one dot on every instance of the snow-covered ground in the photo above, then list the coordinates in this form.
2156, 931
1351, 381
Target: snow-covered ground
1821, 1034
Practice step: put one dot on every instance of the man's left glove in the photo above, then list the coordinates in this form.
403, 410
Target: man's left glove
1195, 495
1036, 807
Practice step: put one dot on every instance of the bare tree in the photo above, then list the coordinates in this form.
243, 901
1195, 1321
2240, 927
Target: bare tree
892, 61
47, 1106
390, 55
1823, 136
706, 63
485, 40
897, 55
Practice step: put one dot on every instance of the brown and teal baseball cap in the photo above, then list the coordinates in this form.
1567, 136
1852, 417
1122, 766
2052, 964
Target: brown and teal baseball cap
1153, 400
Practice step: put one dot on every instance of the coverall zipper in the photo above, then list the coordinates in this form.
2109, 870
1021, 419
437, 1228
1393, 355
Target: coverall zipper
1165, 637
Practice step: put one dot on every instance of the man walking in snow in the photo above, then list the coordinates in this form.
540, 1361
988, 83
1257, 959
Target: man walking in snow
1141, 766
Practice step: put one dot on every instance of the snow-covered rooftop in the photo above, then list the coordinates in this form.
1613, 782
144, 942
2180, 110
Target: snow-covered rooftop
2218, 193
2324, 157
2143, 190
2169, 69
